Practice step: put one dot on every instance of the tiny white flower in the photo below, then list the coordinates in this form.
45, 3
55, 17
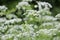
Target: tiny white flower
35, 6
35, 26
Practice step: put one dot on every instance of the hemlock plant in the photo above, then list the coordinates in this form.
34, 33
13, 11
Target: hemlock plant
29, 24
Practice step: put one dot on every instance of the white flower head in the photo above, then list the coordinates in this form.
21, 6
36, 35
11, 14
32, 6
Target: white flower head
58, 16
2, 20
44, 5
49, 18
22, 4
12, 21
3, 8
25, 34
48, 32
57, 26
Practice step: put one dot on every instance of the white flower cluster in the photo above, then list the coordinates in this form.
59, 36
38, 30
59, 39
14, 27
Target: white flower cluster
19, 31
22, 5
49, 32
9, 16
56, 38
58, 16
47, 25
58, 26
12, 21
3, 29
32, 16
44, 12
7, 37
38, 16
44, 5
31, 12
2, 20
49, 18
3, 8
